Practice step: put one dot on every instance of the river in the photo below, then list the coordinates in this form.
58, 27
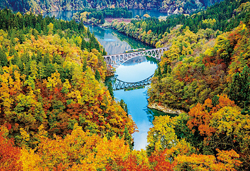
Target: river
114, 43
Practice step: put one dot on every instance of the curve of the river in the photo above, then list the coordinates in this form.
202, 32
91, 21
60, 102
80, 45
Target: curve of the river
131, 71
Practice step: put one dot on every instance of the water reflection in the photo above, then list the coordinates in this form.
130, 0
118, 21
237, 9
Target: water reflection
137, 103
152, 113
114, 43
67, 15
135, 72
64, 15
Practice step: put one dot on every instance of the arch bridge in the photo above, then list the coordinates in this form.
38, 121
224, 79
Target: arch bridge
118, 59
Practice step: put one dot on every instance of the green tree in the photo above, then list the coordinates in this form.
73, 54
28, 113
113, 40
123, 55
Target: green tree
124, 106
97, 75
240, 87
3, 58
110, 88
84, 66
83, 44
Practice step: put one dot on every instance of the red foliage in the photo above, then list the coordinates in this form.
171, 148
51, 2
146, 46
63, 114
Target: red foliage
130, 164
9, 155
159, 160
201, 114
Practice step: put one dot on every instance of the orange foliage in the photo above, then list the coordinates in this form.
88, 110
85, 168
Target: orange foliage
227, 161
9, 155
159, 161
200, 115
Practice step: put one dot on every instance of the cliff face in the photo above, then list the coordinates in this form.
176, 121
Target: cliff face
168, 6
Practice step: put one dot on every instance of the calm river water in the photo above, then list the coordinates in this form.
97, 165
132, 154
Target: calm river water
114, 43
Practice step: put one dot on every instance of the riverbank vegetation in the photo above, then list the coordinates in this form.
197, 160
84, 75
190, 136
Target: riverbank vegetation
94, 16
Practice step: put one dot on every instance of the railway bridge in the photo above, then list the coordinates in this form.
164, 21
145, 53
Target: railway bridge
118, 59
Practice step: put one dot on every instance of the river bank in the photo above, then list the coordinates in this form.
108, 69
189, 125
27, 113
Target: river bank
165, 109
108, 22
131, 71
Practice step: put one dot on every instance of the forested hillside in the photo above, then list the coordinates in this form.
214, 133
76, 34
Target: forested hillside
168, 6
220, 17
57, 114
51, 81
206, 72
204, 62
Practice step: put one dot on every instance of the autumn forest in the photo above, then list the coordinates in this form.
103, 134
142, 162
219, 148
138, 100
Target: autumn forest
57, 112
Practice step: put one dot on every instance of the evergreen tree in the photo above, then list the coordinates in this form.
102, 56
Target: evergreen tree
128, 138
159, 74
124, 106
46, 59
240, 87
83, 44
21, 37
166, 70
215, 100
84, 66
110, 88
39, 57
97, 75
3, 58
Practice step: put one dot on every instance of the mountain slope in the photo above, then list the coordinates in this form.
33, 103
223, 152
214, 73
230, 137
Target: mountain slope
168, 6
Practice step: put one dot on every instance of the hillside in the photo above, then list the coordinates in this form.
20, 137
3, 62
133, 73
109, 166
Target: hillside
168, 6
57, 114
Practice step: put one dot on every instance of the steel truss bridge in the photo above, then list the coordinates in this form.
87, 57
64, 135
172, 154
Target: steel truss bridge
118, 59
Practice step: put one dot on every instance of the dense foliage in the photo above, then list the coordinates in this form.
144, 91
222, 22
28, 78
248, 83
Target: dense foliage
194, 68
98, 16
222, 16
169, 6
51, 79
56, 113
208, 76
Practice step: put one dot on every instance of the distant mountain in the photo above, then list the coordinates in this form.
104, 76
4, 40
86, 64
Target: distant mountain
168, 6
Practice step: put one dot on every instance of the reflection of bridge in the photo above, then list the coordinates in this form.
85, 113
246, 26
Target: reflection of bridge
118, 59
119, 84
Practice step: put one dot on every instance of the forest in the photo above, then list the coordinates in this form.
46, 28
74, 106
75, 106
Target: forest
222, 17
56, 113
98, 16
207, 74
168, 6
